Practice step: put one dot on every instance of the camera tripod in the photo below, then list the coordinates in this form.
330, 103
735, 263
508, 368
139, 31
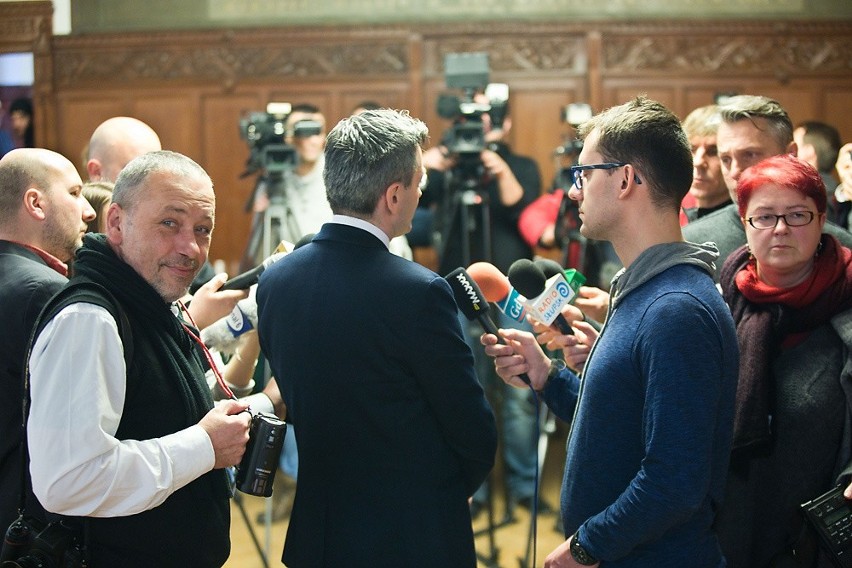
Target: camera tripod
268, 226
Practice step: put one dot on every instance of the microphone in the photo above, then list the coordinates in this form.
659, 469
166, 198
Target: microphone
224, 333
497, 289
304, 240
247, 279
571, 275
473, 305
546, 296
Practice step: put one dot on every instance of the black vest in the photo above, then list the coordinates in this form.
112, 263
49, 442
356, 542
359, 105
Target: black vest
191, 528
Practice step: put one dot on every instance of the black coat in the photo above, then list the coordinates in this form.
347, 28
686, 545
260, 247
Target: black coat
394, 432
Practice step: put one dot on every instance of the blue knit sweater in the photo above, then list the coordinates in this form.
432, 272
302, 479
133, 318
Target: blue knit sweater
650, 439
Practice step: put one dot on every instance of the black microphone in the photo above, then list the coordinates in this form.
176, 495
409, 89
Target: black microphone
530, 280
247, 279
304, 240
473, 305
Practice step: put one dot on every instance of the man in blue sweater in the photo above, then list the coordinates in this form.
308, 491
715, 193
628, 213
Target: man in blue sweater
650, 437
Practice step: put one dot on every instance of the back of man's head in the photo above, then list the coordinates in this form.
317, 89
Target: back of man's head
366, 153
115, 142
646, 134
825, 140
750, 107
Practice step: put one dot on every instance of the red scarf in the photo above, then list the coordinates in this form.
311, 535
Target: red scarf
767, 318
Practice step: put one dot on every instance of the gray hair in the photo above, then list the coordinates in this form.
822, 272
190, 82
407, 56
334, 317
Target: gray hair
749, 107
366, 153
131, 180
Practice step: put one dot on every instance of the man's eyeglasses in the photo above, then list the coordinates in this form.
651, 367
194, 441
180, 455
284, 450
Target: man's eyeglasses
577, 171
770, 221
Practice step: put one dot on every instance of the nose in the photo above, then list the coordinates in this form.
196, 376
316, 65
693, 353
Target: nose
187, 244
88, 213
699, 158
574, 193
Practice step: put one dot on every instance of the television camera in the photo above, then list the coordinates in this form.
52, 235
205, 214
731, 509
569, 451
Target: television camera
465, 139
266, 135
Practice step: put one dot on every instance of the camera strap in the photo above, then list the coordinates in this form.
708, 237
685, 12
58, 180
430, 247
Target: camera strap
210, 361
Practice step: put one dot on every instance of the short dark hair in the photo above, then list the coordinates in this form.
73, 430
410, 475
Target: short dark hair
826, 142
646, 134
366, 153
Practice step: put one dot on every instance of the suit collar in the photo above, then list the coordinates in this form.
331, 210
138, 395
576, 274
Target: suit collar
339, 232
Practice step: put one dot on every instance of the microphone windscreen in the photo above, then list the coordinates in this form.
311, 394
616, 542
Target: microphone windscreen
549, 267
493, 284
527, 278
304, 240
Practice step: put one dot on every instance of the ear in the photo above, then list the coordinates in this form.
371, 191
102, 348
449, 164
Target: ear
392, 197
628, 181
94, 170
114, 223
792, 149
34, 202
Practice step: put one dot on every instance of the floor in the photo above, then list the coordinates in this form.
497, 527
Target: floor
507, 546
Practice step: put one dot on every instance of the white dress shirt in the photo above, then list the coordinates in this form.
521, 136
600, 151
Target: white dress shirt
78, 467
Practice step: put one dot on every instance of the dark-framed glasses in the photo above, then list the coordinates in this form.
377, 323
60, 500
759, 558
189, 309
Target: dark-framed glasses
770, 220
577, 171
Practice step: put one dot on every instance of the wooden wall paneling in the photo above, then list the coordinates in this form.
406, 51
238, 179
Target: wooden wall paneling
77, 116
175, 116
837, 108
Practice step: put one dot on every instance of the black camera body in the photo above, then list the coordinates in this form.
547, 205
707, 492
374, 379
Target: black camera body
465, 139
265, 132
30, 544
260, 461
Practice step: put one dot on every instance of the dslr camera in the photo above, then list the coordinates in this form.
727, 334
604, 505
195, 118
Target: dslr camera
28, 543
465, 139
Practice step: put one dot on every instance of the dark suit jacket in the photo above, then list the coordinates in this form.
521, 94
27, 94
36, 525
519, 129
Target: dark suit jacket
725, 228
26, 284
394, 432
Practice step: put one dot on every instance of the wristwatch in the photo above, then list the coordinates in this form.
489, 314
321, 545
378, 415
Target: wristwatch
581, 555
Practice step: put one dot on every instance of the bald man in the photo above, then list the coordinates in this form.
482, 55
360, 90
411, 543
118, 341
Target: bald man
43, 217
115, 142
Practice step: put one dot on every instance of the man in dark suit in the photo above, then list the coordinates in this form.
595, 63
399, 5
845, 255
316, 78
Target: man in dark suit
43, 216
393, 429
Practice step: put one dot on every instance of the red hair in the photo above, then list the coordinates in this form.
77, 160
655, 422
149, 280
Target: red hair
784, 170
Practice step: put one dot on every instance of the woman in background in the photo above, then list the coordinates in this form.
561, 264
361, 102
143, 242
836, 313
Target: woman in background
790, 292
99, 195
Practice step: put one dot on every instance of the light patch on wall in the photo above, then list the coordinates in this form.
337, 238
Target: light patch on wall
16, 69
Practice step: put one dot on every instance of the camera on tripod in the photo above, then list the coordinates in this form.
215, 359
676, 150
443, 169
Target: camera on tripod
465, 139
265, 134
30, 544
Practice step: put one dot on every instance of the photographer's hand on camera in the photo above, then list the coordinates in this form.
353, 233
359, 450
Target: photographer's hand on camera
438, 158
228, 428
510, 189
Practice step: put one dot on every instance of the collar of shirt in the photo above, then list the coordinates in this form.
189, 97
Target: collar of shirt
48, 258
364, 225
